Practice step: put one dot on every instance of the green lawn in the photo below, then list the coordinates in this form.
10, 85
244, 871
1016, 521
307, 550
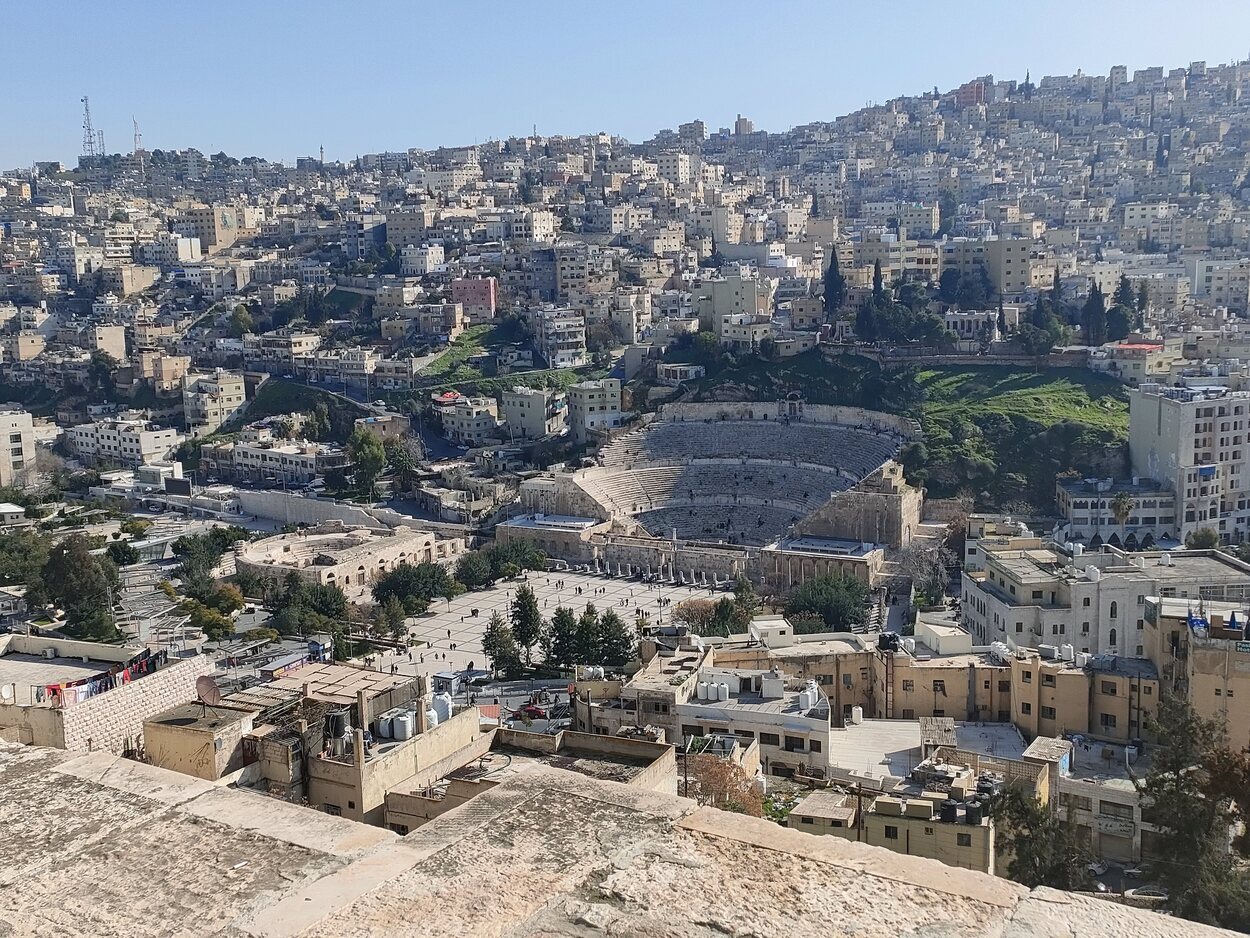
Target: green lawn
1046, 397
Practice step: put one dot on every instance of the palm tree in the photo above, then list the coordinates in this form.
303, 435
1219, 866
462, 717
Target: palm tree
1121, 509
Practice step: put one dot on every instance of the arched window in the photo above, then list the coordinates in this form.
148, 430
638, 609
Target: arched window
1114, 610
1111, 637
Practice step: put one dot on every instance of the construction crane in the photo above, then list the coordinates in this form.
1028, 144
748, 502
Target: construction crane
90, 144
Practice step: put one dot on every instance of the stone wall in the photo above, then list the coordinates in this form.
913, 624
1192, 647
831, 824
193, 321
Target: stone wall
111, 720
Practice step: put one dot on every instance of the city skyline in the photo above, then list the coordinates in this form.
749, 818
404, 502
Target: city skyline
492, 81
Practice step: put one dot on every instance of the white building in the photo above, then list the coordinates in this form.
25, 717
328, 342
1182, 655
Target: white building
560, 336
17, 459
594, 405
420, 261
209, 400
123, 442
472, 421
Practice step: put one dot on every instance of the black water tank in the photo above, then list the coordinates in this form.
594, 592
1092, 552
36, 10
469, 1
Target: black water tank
337, 724
887, 641
972, 812
949, 811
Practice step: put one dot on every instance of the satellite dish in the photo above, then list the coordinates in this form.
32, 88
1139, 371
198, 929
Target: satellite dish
6, 693
206, 691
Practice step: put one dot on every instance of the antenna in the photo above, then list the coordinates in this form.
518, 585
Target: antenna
138, 152
88, 132
99, 142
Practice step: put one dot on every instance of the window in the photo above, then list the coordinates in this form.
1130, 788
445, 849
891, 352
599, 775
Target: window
929, 831
690, 730
1004, 687
939, 687
813, 745
1058, 628
1085, 601
1026, 676
333, 810
1084, 628
1048, 680
1114, 610
909, 714
770, 739
891, 832
806, 820
1048, 713
909, 685
848, 681
1111, 637
964, 840
1026, 708
1108, 688
1108, 721
1113, 809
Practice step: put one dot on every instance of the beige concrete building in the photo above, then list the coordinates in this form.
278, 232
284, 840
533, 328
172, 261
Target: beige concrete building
533, 413
209, 400
122, 442
472, 421
593, 405
196, 739
333, 554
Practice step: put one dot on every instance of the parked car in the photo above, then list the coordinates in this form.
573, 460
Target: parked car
1153, 893
529, 711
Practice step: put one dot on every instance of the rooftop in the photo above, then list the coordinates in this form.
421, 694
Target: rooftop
599, 858
339, 683
875, 748
195, 716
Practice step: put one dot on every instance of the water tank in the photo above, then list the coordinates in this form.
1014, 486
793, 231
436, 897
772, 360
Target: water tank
1130, 753
337, 724
722, 691
385, 728
909, 646
949, 811
1048, 651
403, 725
1077, 550
1093, 574
431, 717
443, 707
1067, 652
805, 700
857, 714
1082, 659
972, 812
701, 690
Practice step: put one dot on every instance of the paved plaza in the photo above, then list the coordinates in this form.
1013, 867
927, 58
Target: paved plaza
452, 622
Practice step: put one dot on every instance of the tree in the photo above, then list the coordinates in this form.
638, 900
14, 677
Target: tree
1121, 508
948, 285
23, 555
1123, 295
746, 603
866, 323
414, 586
1001, 321
368, 457
948, 208
586, 646
1195, 791
835, 286
499, 645
878, 282
768, 348
395, 617
241, 322
122, 553
527, 621
616, 640
1032, 340
559, 639
474, 570
83, 586
1043, 850
1094, 318
723, 784
1119, 322
838, 601
1202, 539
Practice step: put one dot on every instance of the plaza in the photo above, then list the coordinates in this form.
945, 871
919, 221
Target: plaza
452, 622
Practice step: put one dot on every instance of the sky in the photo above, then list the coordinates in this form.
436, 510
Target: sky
279, 78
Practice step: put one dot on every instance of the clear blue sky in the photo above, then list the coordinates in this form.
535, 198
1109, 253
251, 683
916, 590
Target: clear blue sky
278, 78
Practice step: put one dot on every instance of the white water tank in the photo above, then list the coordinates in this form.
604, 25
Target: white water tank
857, 714
385, 727
722, 691
701, 690
1067, 652
909, 646
1082, 659
805, 700
1000, 650
1092, 573
431, 717
403, 725
443, 707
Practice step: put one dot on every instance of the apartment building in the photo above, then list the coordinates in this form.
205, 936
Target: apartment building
209, 400
1089, 507
216, 226
276, 352
17, 458
1030, 594
422, 260
593, 405
560, 336
533, 413
363, 234
479, 296
1197, 442
122, 442
1008, 262
472, 421
258, 457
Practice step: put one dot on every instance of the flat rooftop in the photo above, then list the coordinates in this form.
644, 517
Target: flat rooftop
28, 672
553, 522
194, 716
339, 683
892, 747
242, 865
824, 546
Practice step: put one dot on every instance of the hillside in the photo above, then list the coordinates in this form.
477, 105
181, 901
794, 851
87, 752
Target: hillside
1000, 433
